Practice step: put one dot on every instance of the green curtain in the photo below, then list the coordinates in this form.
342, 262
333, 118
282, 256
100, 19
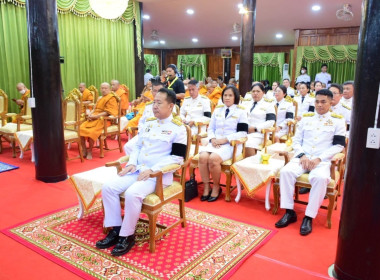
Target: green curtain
151, 62
340, 59
95, 50
193, 65
268, 66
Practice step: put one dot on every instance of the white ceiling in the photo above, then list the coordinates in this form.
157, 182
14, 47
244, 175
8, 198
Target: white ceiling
213, 20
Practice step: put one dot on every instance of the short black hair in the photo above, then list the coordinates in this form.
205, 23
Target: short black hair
277, 82
172, 66
260, 85
316, 82
324, 64
338, 86
348, 83
235, 91
324, 92
170, 95
156, 83
285, 79
306, 84
193, 82
147, 71
284, 89
220, 78
304, 67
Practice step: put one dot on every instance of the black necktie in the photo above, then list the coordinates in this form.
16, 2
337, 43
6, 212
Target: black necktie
254, 105
277, 104
302, 99
227, 111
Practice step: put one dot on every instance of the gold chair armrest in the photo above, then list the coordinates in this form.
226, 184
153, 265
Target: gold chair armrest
123, 159
111, 118
9, 115
238, 141
266, 130
90, 104
26, 117
285, 155
116, 164
170, 168
206, 122
68, 123
203, 135
338, 157
292, 122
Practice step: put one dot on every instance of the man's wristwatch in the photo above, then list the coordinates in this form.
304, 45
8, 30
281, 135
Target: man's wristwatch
300, 155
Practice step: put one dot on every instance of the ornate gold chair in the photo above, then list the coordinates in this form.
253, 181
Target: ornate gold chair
94, 92
153, 203
3, 107
226, 165
23, 122
336, 171
72, 120
112, 130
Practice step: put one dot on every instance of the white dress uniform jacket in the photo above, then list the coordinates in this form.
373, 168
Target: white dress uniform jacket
246, 101
160, 143
347, 102
262, 116
324, 78
343, 110
307, 105
317, 136
197, 110
285, 112
270, 94
232, 127
303, 78
290, 91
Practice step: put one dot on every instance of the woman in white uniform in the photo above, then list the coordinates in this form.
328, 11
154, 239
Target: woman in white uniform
285, 112
228, 122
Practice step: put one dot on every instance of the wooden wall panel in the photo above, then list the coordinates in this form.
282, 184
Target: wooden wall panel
329, 36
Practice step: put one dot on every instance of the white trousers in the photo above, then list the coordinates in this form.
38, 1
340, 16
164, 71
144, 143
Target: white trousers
255, 139
135, 192
319, 178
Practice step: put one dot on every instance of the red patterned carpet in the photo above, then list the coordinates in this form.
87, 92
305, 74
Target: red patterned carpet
210, 247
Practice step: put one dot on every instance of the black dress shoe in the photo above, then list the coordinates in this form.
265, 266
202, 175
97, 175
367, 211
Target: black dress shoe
306, 226
110, 240
288, 218
214, 198
205, 197
124, 245
304, 190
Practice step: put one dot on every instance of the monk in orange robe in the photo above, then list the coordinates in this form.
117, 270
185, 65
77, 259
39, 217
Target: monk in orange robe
220, 82
215, 92
24, 91
87, 97
93, 127
202, 88
123, 93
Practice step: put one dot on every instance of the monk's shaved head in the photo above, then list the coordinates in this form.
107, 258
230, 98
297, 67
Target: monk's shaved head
82, 87
115, 85
20, 86
105, 88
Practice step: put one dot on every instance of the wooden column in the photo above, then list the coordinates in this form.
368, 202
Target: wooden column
163, 60
294, 62
139, 63
358, 251
247, 46
45, 78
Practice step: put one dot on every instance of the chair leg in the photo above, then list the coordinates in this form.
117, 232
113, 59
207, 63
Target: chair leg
152, 231
332, 199
182, 211
13, 144
101, 146
191, 172
105, 143
119, 141
276, 196
228, 185
80, 150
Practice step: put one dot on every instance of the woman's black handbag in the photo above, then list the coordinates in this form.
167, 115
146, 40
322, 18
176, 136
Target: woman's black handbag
191, 189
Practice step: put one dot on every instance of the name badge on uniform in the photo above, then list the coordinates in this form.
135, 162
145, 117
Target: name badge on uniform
234, 117
166, 132
282, 108
328, 123
264, 109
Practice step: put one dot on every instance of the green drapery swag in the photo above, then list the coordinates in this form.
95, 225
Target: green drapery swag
268, 66
95, 50
340, 59
151, 62
193, 65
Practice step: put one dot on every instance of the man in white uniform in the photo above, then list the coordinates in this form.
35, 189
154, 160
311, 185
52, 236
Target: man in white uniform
318, 138
195, 108
148, 113
323, 76
289, 90
304, 77
162, 141
339, 107
348, 93
147, 76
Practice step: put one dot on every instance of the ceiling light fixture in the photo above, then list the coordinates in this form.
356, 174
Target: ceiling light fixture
234, 38
316, 8
162, 42
194, 40
279, 36
190, 11
146, 16
109, 9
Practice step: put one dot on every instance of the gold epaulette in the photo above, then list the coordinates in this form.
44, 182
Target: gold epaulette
334, 115
346, 106
268, 100
187, 97
241, 107
310, 114
296, 94
288, 98
151, 119
177, 121
148, 103
312, 94
219, 106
